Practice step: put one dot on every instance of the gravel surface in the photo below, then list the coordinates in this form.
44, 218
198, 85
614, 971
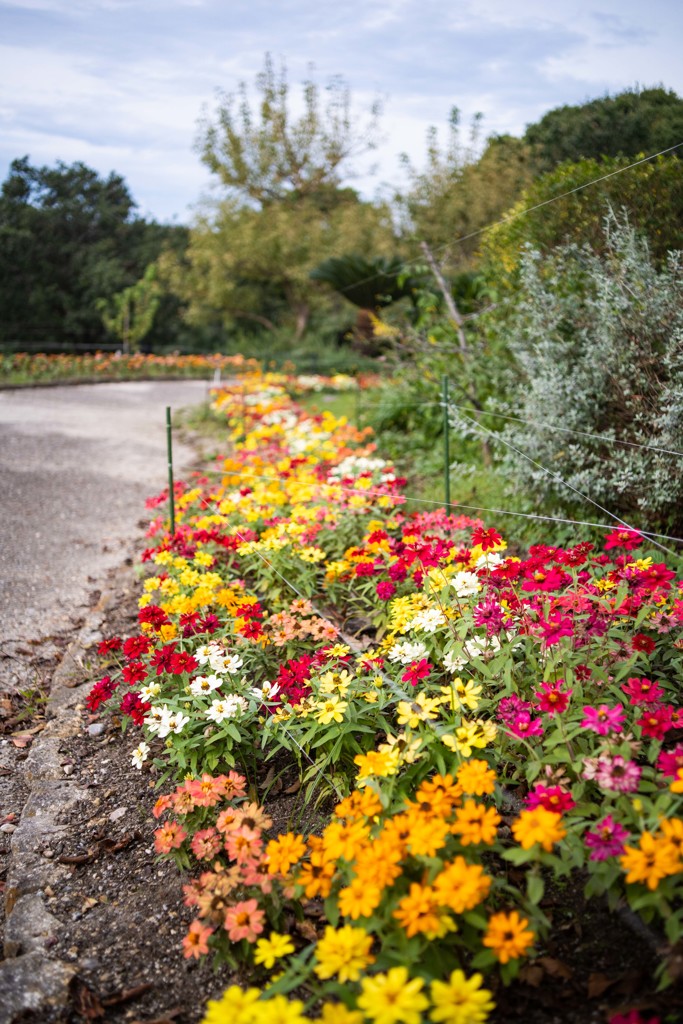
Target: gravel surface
77, 464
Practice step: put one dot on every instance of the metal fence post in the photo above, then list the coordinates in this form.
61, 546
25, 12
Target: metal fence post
169, 447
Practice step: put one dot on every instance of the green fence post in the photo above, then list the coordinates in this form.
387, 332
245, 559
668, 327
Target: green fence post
169, 447
446, 447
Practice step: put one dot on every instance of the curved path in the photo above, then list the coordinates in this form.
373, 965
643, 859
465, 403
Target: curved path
76, 464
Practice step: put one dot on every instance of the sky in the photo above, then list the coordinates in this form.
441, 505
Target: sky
121, 85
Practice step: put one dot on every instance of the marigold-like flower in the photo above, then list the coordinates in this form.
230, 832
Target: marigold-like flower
475, 823
283, 852
393, 998
508, 936
418, 911
359, 899
344, 952
476, 778
236, 1006
538, 826
461, 886
649, 862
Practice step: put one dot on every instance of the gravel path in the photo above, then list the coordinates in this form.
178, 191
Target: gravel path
76, 465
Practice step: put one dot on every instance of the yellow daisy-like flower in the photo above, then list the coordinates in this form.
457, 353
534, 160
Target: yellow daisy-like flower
269, 950
652, 860
393, 998
330, 710
343, 952
236, 1006
337, 1013
422, 709
460, 1000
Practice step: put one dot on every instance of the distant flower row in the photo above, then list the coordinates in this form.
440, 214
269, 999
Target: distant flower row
486, 724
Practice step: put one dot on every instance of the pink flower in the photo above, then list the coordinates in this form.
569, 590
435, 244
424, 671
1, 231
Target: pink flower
194, 943
510, 707
244, 921
669, 761
555, 627
206, 844
625, 538
614, 772
524, 725
608, 839
551, 698
169, 837
632, 1017
603, 719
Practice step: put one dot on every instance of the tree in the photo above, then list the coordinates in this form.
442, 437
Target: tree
129, 315
461, 190
631, 123
285, 209
68, 238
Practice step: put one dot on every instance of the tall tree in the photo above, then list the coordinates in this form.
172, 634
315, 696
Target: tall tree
632, 122
68, 238
285, 209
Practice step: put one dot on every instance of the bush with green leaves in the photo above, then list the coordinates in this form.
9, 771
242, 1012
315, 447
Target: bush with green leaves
598, 341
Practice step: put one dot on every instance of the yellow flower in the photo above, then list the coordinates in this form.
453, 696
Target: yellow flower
277, 1010
476, 778
376, 763
461, 695
337, 1013
359, 899
236, 1006
538, 825
269, 950
393, 998
331, 710
460, 1000
422, 709
508, 936
344, 952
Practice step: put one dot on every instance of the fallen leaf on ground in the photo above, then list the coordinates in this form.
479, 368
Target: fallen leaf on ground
599, 983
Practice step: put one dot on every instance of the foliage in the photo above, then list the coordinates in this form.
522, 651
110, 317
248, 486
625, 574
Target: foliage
599, 342
68, 239
634, 122
651, 194
130, 314
461, 191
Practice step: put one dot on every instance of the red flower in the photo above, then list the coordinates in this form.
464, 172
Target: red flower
106, 646
100, 692
135, 646
417, 670
385, 590
365, 569
486, 539
162, 659
642, 691
643, 643
628, 539
134, 673
133, 705
656, 723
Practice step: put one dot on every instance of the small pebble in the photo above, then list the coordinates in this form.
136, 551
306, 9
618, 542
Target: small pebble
96, 729
68, 769
48, 853
118, 813
8, 827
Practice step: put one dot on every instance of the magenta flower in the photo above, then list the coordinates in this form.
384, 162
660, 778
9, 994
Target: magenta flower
510, 707
553, 798
489, 613
603, 719
607, 840
555, 627
657, 723
417, 670
669, 761
633, 1017
385, 590
524, 725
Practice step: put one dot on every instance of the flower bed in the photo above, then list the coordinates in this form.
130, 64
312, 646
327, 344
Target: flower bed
487, 725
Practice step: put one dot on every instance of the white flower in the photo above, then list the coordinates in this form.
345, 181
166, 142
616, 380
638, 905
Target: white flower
206, 652
226, 708
477, 647
139, 755
149, 691
406, 652
205, 684
226, 663
154, 718
173, 721
452, 662
465, 584
428, 620
265, 692
490, 560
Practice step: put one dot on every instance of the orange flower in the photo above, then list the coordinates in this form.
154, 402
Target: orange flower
475, 823
379, 863
194, 943
538, 825
476, 778
359, 899
362, 803
317, 873
344, 840
283, 852
418, 912
440, 794
461, 886
427, 836
651, 861
507, 936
